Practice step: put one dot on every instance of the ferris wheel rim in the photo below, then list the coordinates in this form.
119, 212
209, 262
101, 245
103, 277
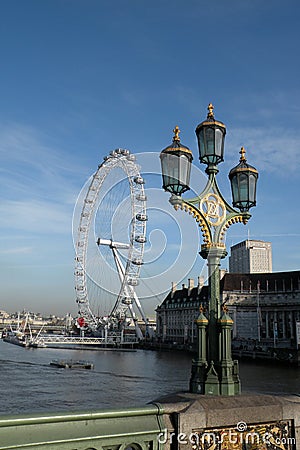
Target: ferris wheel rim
122, 159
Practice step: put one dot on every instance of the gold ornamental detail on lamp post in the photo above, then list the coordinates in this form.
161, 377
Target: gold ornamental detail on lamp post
176, 132
213, 209
206, 234
241, 218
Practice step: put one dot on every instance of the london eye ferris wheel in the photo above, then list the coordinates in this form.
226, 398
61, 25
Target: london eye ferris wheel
110, 234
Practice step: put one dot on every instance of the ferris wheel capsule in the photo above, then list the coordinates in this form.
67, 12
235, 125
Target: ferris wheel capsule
141, 197
142, 217
141, 239
132, 281
137, 261
139, 180
126, 301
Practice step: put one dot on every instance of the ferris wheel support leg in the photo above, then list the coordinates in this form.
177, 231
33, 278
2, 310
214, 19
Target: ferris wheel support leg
120, 267
105, 336
137, 328
138, 331
131, 294
149, 330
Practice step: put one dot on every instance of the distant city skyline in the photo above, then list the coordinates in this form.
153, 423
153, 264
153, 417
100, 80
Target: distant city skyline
79, 79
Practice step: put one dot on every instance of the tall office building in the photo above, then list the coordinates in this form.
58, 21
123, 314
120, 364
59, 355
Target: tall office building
251, 256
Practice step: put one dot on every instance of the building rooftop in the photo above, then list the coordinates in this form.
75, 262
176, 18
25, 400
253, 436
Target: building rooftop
238, 282
186, 296
268, 282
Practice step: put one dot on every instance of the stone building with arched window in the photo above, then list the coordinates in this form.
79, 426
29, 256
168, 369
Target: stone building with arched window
176, 315
265, 308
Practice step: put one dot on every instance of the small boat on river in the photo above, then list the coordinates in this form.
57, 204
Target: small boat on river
17, 338
71, 364
22, 334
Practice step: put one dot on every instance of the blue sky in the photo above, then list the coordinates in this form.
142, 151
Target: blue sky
80, 78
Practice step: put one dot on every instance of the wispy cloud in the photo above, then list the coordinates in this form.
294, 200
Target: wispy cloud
274, 150
37, 182
35, 216
33, 166
16, 251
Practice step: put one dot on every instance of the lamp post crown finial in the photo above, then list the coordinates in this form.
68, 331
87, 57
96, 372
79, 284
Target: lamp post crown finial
210, 114
176, 132
242, 153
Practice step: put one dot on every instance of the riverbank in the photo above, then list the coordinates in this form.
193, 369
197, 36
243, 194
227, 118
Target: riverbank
274, 355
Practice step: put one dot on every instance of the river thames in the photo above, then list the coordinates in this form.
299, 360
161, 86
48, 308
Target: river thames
120, 378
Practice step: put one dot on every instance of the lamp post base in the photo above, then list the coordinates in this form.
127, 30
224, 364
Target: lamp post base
208, 382
212, 384
198, 377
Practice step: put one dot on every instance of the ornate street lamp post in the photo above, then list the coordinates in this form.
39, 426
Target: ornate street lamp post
213, 370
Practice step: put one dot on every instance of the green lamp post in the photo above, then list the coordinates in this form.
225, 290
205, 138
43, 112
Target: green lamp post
213, 370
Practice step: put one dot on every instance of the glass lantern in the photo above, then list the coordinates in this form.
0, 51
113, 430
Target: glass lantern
176, 166
211, 136
243, 179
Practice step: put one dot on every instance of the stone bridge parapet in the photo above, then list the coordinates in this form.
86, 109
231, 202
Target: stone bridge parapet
182, 421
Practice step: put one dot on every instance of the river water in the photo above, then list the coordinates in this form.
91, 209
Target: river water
119, 379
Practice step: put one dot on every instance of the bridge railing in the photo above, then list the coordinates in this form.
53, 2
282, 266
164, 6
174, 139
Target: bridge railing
183, 421
130, 429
